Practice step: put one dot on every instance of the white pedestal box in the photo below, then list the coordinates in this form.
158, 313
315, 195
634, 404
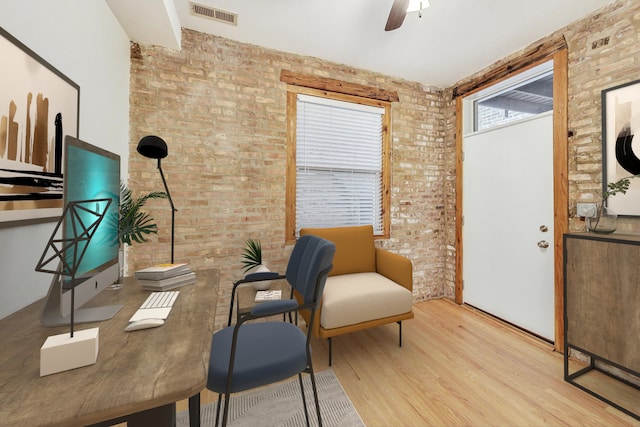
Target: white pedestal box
62, 352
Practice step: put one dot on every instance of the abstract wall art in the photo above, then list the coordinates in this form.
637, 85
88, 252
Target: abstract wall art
621, 144
38, 106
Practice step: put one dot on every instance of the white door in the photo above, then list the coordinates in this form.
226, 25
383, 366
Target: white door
508, 221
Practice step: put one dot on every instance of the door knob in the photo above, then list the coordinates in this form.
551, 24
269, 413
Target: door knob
543, 244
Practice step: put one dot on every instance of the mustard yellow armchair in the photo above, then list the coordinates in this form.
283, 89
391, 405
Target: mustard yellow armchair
367, 287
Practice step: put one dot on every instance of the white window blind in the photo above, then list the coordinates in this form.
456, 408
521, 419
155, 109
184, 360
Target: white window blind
338, 164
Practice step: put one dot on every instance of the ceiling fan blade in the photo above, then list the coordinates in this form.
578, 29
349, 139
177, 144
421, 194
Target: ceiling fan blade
397, 14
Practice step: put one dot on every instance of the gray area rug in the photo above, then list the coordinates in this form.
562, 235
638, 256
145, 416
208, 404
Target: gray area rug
281, 405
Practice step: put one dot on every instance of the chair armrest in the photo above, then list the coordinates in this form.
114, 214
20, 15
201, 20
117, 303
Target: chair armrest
249, 278
265, 275
306, 314
256, 277
395, 267
269, 308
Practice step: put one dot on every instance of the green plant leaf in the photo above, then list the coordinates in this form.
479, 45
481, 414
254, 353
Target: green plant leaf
251, 254
134, 224
620, 186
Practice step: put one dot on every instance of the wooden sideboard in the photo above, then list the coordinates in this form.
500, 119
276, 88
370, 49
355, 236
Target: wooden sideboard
602, 306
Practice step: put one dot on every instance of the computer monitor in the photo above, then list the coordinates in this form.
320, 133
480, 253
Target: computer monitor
90, 173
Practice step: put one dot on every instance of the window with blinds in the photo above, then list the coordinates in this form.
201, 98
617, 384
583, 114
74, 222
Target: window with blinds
339, 165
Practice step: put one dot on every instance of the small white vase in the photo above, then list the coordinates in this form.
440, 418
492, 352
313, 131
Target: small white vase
263, 284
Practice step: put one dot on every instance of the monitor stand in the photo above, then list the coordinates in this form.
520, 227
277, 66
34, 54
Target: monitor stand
51, 315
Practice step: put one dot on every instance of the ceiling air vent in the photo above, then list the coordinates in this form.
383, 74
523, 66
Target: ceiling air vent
215, 14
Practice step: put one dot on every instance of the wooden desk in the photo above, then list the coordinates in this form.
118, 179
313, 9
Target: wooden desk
135, 371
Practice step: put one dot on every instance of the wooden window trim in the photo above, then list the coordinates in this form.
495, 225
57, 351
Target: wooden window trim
336, 86
531, 57
290, 196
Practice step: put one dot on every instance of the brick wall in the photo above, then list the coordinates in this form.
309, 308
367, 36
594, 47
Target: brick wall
221, 109
590, 71
220, 106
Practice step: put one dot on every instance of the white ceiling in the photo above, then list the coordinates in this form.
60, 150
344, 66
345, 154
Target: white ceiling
452, 40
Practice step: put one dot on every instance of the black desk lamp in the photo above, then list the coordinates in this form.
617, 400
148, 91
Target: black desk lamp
154, 147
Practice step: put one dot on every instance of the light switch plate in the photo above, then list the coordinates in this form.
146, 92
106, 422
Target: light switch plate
582, 209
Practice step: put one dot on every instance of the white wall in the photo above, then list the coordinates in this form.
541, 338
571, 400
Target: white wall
83, 40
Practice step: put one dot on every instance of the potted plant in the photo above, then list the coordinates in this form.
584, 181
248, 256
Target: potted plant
134, 224
603, 219
252, 262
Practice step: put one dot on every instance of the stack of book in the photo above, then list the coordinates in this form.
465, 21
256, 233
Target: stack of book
268, 295
163, 277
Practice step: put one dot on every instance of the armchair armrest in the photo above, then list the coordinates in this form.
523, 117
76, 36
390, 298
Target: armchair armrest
395, 267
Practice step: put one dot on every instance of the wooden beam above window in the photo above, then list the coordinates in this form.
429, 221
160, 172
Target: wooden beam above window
337, 86
530, 57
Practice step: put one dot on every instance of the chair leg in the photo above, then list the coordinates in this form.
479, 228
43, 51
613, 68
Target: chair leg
194, 410
218, 409
304, 399
225, 414
400, 334
315, 393
330, 350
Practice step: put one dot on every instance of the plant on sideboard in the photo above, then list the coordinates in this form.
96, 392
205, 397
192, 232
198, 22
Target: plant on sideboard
602, 219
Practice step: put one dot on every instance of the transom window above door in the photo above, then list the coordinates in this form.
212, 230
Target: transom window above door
525, 99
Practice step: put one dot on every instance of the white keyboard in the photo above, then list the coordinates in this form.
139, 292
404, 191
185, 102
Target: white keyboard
158, 305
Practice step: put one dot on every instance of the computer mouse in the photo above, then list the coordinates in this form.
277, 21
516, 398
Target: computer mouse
144, 324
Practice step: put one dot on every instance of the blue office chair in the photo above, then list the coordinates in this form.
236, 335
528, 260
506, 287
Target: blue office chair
250, 355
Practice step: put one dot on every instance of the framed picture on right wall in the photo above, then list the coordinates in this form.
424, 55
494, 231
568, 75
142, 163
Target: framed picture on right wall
620, 147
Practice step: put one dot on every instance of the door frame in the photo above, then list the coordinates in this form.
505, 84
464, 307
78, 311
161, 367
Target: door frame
560, 176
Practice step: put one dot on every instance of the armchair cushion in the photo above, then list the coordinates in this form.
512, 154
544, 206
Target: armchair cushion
360, 297
355, 251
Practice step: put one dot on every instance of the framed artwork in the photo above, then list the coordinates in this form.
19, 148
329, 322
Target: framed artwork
38, 106
620, 148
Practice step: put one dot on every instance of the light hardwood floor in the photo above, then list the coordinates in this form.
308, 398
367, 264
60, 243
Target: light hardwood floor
458, 367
